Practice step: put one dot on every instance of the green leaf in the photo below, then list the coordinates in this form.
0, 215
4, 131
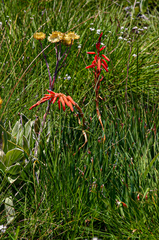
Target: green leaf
14, 169
9, 207
17, 127
150, 165
26, 145
13, 156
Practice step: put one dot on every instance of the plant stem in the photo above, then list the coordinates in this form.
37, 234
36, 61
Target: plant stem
50, 80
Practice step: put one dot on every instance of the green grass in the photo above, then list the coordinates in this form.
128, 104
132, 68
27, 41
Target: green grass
78, 191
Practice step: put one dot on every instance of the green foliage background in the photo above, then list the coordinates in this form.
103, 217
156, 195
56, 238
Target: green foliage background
78, 191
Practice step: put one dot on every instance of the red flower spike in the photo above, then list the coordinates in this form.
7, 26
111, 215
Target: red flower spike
102, 48
91, 53
105, 57
104, 67
53, 97
105, 63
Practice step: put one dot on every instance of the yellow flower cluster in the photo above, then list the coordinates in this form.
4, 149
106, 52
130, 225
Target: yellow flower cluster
55, 37
66, 39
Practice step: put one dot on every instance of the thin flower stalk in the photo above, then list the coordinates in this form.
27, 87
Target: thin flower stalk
98, 64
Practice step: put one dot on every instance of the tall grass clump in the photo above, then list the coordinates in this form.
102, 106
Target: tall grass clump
90, 168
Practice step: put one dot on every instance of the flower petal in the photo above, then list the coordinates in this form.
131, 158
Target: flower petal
59, 103
105, 63
99, 65
99, 39
95, 58
50, 91
71, 100
105, 57
53, 100
102, 48
98, 46
91, 53
63, 103
104, 67
90, 66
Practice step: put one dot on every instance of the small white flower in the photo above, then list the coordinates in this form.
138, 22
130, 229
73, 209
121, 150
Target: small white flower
68, 78
135, 28
118, 202
122, 28
109, 31
141, 29
126, 29
7, 16
79, 46
91, 23
3, 228
24, 11
92, 29
125, 39
134, 55
145, 28
120, 38
66, 75
102, 44
98, 31
121, 32
128, 42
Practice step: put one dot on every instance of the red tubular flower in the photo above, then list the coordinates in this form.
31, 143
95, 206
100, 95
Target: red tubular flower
91, 53
124, 204
98, 46
105, 57
105, 63
53, 97
99, 64
99, 39
102, 48
104, 67
90, 66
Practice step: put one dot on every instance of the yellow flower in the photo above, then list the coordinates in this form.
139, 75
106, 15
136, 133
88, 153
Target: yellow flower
39, 35
72, 35
55, 37
69, 38
1, 102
